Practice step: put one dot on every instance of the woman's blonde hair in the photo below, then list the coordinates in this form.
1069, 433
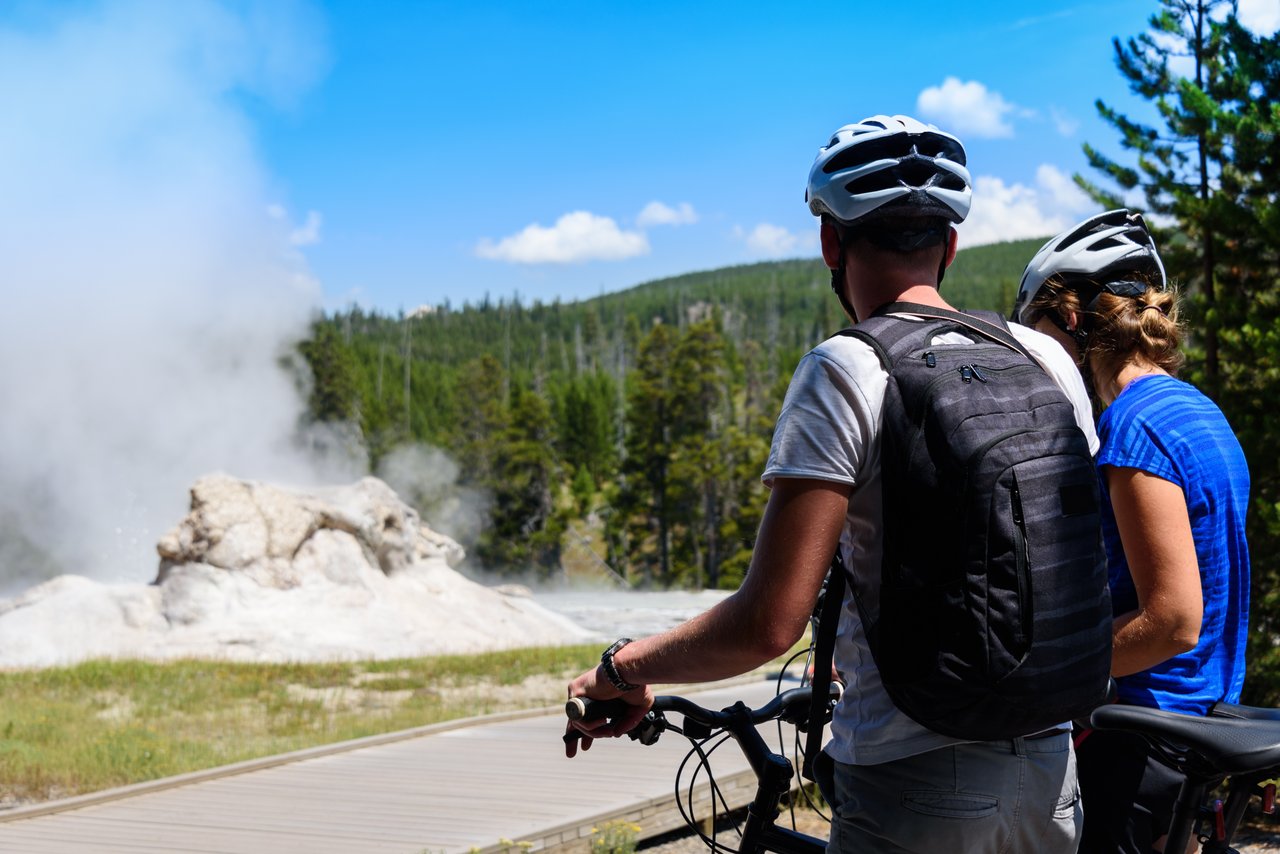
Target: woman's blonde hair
1112, 330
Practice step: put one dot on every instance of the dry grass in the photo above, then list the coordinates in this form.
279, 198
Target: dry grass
70, 730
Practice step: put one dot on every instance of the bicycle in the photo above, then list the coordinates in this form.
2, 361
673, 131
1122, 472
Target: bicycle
1236, 745
774, 772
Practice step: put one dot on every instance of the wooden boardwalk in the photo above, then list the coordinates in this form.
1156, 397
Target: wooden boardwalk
438, 790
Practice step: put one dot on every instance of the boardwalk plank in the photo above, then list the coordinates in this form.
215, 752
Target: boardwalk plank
445, 791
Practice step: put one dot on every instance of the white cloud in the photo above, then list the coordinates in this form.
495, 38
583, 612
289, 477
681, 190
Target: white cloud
656, 213
1061, 191
1037, 20
576, 237
1181, 63
1014, 211
966, 108
773, 241
1261, 16
1063, 122
308, 233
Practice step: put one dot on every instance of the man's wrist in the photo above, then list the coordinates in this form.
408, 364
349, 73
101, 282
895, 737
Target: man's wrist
610, 669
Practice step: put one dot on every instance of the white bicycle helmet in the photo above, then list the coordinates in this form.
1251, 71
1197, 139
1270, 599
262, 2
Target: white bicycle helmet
886, 165
1097, 252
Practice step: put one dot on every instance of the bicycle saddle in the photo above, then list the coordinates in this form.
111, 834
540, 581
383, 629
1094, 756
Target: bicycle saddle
1252, 713
1200, 746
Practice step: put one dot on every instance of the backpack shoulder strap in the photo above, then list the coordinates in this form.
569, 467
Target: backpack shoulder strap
827, 617
891, 337
867, 335
988, 324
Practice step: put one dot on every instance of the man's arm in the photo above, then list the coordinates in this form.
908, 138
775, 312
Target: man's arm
762, 620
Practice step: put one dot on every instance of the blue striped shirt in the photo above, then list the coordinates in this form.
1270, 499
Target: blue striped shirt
1166, 427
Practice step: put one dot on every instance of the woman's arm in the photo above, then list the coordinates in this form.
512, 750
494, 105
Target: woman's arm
1155, 530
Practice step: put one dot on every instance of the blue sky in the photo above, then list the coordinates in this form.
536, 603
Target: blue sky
418, 152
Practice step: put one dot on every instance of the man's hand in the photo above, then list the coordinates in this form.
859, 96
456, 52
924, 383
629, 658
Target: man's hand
594, 685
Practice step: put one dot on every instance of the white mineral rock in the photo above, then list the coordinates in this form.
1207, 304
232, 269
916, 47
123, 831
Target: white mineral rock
257, 572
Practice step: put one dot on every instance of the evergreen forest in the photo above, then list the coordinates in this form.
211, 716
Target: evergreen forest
626, 434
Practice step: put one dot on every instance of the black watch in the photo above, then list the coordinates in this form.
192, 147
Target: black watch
606, 662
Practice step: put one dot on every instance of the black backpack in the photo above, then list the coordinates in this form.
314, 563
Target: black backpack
994, 616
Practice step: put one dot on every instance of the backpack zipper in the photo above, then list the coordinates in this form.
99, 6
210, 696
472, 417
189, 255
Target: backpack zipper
1022, 559
968, 373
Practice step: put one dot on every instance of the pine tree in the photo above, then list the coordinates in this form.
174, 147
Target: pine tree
645, 500
699, 457
525, 527
334, 394
483, 417
585, 408
1178, 165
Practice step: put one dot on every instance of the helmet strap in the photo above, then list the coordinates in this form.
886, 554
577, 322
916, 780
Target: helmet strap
1080, 334
837, 285
837, 282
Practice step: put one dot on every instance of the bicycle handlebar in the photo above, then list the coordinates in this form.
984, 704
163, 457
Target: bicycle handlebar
791, 706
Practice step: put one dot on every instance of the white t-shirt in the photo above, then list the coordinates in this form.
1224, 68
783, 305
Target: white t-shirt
829, 429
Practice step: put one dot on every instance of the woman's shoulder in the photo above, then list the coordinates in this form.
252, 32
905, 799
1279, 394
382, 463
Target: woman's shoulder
1161, 393
1163, 406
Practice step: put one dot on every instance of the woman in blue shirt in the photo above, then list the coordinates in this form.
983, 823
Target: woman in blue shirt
1176, 489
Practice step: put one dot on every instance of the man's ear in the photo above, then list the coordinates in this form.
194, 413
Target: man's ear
951, 246
831, 248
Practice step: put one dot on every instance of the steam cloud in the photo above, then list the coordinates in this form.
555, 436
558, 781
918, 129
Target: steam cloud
148, 293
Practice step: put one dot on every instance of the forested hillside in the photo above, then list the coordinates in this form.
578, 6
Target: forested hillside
641, 417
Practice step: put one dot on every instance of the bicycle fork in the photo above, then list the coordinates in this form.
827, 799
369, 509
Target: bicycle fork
774, 773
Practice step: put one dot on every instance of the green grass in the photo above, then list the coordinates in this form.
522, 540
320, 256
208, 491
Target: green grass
70, 730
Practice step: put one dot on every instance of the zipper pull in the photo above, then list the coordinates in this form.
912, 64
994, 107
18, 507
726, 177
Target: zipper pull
966, 373
977, 373
930, 360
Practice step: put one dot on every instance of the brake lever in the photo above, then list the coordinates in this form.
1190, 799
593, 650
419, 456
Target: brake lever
650, 727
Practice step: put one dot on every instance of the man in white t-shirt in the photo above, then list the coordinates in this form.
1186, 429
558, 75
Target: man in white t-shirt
888, 190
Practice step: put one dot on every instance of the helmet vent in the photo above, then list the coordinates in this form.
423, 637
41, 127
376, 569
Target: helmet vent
938, 146
1065, 243
884, 180
868, 151
885, 161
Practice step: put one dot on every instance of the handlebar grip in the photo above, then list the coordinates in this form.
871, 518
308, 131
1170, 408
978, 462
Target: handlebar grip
586, 709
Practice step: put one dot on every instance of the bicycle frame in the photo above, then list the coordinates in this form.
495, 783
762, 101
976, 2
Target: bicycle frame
774, 774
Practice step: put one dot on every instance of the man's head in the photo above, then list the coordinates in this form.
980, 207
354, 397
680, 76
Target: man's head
889, 166
891, 184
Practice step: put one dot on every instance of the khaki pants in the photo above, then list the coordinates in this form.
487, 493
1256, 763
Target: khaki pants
993, 797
